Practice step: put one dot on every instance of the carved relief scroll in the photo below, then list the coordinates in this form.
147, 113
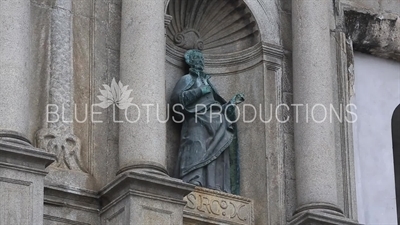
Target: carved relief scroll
57, 135
217, 207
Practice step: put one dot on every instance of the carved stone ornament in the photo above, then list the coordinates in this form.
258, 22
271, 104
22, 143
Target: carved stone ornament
214, 207
189, 39
65, 146
222, 26
57, 137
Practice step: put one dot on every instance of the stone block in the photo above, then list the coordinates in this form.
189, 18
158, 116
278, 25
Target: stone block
66, 205
214, 207
22, 169
143, 198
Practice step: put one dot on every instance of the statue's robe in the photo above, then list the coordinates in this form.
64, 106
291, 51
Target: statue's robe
206, 153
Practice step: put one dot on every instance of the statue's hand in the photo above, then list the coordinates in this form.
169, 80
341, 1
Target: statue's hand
237, 99
206, 89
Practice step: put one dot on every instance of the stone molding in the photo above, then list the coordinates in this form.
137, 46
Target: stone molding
61, 196
145, 165
24, 158
320, 217
146, 185
214, 207
235, 62
14, 137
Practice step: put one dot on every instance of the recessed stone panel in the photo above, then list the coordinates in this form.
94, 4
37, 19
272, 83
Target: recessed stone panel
214, 207
15, 202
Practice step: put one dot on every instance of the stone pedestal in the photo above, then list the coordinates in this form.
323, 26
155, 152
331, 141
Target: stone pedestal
205, 206
22, 172
142, 198
320, 217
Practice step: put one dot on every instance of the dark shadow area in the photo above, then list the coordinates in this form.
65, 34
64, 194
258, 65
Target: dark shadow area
396, 155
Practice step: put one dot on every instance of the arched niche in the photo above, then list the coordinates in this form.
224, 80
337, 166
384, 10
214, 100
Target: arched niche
215, 27
239, 62
396, 154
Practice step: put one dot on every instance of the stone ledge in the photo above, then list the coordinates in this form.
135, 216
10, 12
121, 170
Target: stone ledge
138, 197
205, 206
24, 158
320, 217
144, 184
79, 199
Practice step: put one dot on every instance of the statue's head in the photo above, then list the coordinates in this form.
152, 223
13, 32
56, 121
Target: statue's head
194, 58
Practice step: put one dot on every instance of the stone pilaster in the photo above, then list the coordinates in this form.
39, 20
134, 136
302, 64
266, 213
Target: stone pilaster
316, 183
22, 167
57, 135
142, 67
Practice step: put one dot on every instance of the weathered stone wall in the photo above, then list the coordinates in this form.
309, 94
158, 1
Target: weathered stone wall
388, 6
267, 150
370, 27
374, 26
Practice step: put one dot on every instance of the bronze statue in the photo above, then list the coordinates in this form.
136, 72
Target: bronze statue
208, 153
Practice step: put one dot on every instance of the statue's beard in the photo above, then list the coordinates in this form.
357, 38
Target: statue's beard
198, 67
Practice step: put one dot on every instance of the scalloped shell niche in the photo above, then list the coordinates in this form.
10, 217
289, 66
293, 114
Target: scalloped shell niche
213, 26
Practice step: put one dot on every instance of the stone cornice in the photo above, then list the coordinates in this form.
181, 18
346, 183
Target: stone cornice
24, 157
73, 198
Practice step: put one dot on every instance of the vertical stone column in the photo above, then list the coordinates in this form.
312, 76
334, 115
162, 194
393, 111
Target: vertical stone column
15, 68
142, 193
22, 167
314, 141
142, 144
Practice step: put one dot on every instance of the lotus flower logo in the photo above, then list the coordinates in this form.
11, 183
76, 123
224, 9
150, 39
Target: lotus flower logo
116, 94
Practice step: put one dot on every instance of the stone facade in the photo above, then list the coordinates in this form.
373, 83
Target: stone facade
66, 158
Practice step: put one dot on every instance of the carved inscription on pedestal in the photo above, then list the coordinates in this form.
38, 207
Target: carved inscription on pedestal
217, 207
